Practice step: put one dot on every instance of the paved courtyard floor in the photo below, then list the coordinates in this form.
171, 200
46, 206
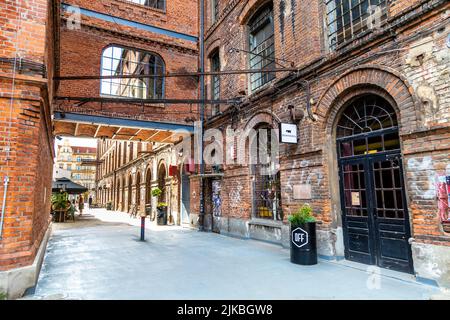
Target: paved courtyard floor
100, 257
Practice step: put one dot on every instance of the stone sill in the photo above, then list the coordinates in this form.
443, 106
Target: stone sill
266, 223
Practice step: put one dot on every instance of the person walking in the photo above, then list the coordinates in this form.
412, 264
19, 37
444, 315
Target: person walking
81, 204
90, 202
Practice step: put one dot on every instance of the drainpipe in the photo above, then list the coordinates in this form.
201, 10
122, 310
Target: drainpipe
202, 113
307, 86
5, 191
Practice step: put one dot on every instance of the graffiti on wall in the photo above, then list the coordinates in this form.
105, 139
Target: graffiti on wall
307, 176
430, 184
424, 177
235, 196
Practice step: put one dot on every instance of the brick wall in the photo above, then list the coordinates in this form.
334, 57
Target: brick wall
25, 128
81, 54
408, 67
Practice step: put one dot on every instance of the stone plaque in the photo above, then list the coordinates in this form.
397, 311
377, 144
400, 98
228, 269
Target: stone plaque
302, 192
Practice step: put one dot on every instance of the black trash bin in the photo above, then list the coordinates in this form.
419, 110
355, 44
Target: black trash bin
162, 216
303, 244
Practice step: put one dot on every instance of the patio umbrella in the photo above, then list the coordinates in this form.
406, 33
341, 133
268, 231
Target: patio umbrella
68, 186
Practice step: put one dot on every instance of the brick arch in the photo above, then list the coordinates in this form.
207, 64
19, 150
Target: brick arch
251, 7
382, 81
262, 117
213, 47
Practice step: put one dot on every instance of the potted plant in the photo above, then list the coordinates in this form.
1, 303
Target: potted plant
109, 206
60, 205
162, 213
303, 236
156, 192
161, 207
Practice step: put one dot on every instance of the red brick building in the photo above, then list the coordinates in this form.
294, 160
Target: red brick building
368, 90
42, 41
26, 141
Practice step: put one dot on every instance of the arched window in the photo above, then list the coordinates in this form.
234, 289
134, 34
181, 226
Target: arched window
368, 125
118, 61
262, 46
157, 4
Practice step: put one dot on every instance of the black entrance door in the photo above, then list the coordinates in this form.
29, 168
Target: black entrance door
375, 216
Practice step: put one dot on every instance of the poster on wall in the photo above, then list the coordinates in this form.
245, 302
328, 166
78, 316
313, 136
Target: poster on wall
356, 199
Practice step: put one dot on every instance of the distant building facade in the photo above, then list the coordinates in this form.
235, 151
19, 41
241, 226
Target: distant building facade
74, 161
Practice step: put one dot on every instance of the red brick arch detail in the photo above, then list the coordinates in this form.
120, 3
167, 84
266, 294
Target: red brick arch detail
380, 80
212, 47
262, 117
249, 9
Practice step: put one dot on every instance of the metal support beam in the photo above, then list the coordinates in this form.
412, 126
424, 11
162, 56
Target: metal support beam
142, 102
177, 74
121, 122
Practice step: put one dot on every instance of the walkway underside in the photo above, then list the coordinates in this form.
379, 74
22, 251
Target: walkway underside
103, 127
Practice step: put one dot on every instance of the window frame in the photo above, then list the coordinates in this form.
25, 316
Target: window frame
215, 11
215, 80
252, 31
350, 26
136, 50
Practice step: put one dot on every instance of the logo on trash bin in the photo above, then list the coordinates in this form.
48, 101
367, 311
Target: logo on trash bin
300, 237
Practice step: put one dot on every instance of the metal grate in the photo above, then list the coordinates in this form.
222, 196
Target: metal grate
355, 193
347, 18
267, 186
267, 195
262, 47
118, 61
388, 189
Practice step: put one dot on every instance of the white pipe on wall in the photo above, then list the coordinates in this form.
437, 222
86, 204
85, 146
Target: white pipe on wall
5, 191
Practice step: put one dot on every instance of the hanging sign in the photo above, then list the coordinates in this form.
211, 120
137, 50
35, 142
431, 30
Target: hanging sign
288, 133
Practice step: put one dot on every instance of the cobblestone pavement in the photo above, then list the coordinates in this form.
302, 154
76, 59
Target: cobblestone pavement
100, 257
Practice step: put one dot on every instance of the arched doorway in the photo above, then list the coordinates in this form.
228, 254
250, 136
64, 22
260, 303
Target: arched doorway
130, 192
138, 190
374, 211
162, 182
122, 200
185, 197
119, 183
148, 188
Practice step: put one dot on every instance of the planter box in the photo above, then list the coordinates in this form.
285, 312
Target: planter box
304, 244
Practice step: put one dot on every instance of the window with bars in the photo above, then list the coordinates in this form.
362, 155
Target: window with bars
348, 18
215, 10
267, 184
262, 47
118, 61
157, 4
215, 82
